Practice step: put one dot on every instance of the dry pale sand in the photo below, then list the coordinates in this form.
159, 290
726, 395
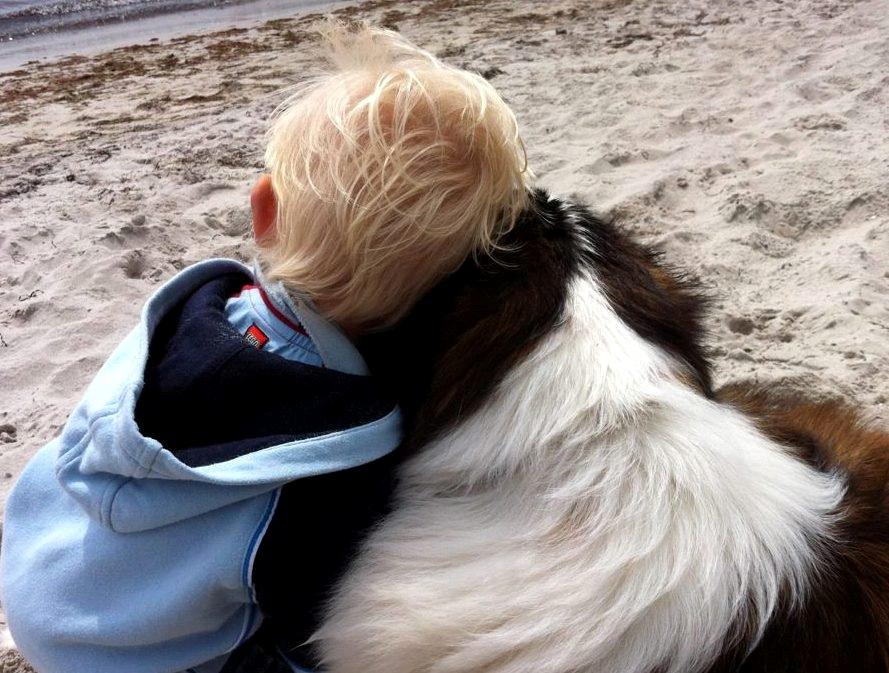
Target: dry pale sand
749, 140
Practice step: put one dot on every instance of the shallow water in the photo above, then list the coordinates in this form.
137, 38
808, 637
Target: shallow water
46, 29
21, 18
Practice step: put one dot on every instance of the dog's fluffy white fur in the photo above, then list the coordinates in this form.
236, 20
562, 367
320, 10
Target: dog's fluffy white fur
596, 515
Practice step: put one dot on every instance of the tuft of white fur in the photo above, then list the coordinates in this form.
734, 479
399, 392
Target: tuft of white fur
595, 515
6, 641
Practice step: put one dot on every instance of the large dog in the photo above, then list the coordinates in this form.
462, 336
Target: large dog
578, 498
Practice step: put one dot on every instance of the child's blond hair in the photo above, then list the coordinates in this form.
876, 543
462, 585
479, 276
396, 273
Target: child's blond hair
389, 171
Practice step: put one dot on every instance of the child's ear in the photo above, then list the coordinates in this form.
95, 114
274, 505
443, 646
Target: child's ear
264, 206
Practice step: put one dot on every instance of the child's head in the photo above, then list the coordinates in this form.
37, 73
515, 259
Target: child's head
387, 172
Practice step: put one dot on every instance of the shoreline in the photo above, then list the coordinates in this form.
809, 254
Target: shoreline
90, 38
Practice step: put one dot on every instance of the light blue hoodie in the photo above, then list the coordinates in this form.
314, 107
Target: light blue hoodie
117, 557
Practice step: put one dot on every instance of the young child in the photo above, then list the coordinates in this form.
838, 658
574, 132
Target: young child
209, 488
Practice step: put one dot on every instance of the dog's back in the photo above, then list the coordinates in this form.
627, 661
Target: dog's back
580, 499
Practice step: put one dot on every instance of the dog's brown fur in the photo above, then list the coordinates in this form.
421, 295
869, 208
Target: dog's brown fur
843, 624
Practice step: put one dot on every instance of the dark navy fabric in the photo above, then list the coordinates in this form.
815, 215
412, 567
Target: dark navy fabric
260, 654
315, 533
209, 397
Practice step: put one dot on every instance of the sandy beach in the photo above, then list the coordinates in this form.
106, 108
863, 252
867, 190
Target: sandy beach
750, 142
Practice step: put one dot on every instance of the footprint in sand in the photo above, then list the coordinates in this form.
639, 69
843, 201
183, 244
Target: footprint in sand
815, 91
8, 433
769, 245
741, 325
25, 313
134, 264
820, 122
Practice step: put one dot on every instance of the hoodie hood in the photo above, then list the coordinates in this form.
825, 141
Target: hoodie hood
185, 417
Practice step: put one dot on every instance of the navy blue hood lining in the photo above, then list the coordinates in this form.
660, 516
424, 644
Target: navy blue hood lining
209, 396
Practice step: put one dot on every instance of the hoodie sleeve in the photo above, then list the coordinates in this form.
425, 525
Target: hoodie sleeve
80, 597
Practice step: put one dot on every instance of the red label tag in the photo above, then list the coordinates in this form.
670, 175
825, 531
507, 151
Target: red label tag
255, 336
